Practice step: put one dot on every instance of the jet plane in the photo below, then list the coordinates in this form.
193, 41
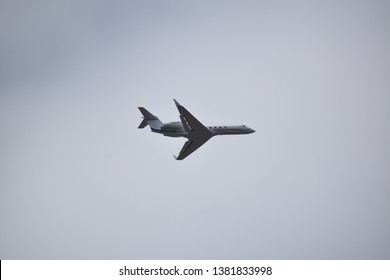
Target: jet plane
189, 127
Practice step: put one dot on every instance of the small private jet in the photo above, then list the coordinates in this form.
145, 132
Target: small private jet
189, 127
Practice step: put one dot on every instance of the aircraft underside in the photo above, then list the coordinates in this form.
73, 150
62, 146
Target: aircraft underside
189, 127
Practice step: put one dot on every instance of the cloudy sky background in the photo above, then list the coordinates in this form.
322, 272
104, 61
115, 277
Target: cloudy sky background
78, 180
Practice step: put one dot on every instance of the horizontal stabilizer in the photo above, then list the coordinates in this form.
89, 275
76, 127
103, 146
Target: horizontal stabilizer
143, 123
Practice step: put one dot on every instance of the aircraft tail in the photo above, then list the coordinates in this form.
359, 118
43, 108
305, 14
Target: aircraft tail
149, 119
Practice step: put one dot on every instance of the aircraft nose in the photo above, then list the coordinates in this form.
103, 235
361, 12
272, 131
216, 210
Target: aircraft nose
251, 130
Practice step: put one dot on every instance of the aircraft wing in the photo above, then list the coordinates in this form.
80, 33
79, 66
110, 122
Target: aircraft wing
198, 134
192, 123
189, 147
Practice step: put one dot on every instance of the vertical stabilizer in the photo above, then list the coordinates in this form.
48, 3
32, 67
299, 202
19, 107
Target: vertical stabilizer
149, 119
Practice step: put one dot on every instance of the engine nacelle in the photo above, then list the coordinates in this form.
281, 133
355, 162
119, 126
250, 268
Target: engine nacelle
173, 126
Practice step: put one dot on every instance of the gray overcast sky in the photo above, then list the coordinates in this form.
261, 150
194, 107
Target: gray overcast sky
78, 180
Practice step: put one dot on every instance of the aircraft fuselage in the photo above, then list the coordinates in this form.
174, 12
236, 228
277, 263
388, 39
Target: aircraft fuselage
176, 129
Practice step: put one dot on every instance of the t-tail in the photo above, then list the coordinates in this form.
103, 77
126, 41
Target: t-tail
149, 119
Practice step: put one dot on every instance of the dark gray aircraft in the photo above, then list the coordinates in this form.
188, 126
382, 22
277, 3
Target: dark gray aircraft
189, 127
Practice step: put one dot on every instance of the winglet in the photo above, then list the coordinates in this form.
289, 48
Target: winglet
177, 103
